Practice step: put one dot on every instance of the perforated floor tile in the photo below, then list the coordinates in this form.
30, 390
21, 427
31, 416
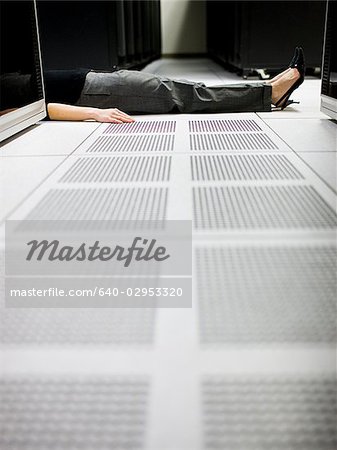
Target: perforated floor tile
243, 167
102, 204
223, 126
266, 294
78, 326
71, 413
269, 413
261, 207
115, 326
227, 141
142, 126
117, 169
132, 143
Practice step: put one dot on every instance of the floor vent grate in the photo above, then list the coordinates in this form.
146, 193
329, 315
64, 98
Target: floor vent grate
279, 413
73, 412
102, 204
133, 143
150, 127
115, 326
118, 168
244, 141
261, 207
266, 294
243, 167
219, 126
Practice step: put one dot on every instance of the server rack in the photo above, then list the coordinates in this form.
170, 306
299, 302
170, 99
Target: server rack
129, 31
119, 20
146, 32
329, 69
253, 35
99, 34
156, 31
138, 30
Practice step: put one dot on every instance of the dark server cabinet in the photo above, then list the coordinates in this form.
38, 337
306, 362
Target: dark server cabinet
146, 20
141, 23
99, 34
138, 30
78, 34
220, 30
121, 32
129, 31
250, 35
156, 30
329, 75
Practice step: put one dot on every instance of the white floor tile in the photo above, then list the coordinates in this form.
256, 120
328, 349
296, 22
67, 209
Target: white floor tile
48, 138
308, 94
306, 135
324, 164
19, 176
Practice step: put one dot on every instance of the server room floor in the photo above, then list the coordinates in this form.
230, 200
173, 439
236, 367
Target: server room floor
251, 366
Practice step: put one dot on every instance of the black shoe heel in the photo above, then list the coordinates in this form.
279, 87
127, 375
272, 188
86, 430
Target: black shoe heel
298, 63
287, 103
294, 59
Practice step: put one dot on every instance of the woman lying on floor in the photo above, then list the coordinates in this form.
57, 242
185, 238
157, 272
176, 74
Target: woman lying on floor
103, 96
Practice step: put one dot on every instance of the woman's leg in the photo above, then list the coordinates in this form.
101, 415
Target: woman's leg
142, 93
280, 85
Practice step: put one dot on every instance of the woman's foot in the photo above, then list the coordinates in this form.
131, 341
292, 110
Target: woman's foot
282, 84
297, 56
278, 76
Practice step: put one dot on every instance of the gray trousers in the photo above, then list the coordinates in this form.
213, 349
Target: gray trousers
142, 93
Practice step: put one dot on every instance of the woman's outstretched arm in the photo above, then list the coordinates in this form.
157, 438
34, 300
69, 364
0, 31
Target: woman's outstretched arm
59, 111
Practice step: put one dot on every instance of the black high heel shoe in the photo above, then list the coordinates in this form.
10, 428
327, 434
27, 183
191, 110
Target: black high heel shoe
294, 58
298, 63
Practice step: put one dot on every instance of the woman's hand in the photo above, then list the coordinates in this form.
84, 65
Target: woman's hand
112, 115
59, 111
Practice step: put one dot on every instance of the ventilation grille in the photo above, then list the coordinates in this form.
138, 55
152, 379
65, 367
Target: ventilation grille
73, 413
102, 204
243, 167
261, 207
270, 413
133, 143
151, 126
248, 141
220, 126
115, 169
78, 326
43, 326
266, 294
